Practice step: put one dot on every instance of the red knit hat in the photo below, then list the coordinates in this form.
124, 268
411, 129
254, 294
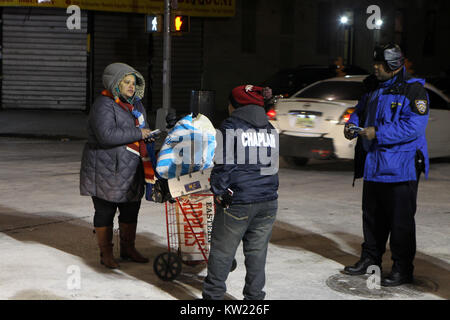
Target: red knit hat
249, 94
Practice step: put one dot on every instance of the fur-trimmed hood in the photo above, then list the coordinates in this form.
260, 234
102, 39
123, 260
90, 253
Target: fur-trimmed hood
115, 72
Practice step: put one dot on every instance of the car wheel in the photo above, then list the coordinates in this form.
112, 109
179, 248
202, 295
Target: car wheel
296, 161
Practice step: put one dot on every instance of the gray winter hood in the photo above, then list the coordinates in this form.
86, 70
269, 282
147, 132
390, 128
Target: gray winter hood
115, 72
253, 114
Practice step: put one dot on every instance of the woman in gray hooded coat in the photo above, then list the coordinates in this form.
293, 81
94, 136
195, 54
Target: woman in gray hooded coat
111, 174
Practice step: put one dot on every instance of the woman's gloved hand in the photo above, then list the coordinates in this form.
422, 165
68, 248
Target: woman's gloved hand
145, 133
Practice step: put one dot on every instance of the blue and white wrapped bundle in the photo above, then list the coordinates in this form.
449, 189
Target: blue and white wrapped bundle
188, 147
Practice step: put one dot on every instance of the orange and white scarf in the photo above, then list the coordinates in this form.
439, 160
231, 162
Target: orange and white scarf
137, 147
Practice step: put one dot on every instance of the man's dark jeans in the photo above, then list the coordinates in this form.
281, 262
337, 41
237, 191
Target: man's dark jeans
251, 223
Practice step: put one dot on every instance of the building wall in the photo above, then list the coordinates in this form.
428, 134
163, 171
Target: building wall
315, 24
266, 35
119, 37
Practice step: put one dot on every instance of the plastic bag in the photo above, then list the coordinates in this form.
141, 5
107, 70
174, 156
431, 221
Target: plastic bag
188, 147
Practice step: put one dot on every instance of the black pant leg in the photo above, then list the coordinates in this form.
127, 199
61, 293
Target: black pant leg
401, 201
104, 212
375, 223
129, 212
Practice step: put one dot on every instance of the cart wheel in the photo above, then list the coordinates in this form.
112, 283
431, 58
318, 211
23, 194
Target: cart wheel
233, 265
167, 266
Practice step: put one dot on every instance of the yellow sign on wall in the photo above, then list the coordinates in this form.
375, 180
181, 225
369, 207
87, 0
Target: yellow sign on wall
195, 8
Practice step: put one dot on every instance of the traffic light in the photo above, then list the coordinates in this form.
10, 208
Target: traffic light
180, 24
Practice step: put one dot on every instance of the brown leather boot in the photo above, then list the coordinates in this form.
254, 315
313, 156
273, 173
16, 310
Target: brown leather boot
104, 238
127, 239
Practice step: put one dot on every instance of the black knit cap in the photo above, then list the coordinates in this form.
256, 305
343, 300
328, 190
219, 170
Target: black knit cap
389, 53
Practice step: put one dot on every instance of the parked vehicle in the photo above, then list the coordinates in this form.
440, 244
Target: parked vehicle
311, 122
441, 81
288, 81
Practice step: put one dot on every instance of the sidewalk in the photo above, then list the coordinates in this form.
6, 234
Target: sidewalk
46, 236
46, 228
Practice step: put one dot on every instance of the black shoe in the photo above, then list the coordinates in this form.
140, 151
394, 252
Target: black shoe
396, 279
360, 267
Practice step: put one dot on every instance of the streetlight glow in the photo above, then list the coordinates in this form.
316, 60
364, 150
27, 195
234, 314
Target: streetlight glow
344, 19
379, 22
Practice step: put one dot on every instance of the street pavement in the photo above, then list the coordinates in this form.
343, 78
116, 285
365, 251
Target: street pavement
48, 250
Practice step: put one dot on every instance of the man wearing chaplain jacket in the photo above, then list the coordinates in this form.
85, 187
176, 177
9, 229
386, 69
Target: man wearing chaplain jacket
245, 184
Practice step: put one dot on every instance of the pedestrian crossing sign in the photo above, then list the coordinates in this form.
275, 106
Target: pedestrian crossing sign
153, 23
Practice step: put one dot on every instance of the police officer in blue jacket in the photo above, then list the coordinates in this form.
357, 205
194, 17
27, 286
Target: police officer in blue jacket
390, 154
244, 181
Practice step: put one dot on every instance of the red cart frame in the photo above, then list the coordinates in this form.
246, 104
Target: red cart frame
185, 225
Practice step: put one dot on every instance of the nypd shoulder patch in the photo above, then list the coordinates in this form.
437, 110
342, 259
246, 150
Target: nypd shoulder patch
421, 106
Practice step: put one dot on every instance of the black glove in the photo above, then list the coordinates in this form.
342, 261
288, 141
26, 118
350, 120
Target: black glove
225, 199
161, 192
171, 119
349, 134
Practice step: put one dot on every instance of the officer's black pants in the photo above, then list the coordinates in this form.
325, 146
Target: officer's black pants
105, 211
389, 210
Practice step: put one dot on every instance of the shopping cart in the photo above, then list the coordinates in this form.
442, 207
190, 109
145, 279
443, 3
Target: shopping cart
189, 224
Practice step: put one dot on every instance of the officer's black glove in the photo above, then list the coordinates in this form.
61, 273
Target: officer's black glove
349, 134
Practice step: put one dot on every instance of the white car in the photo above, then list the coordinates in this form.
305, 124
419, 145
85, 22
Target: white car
311, 122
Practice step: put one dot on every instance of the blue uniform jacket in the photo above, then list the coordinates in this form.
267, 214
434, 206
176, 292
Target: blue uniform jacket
399, 110
246, 159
